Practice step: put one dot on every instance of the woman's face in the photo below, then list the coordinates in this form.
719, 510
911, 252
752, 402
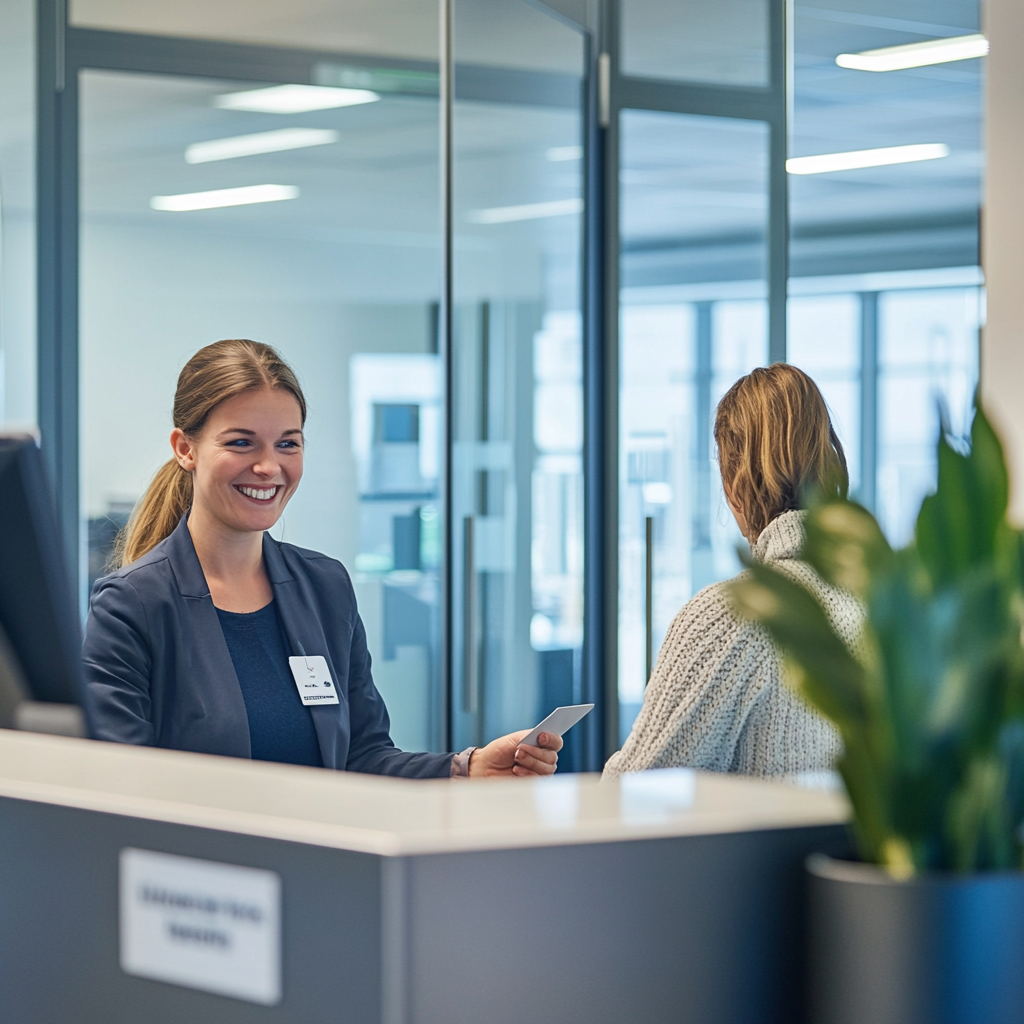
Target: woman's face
247, 461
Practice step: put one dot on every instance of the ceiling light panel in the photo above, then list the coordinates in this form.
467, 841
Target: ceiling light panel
276, 141
916, 55
526, 211
293, 99
557, 154
244, 196
860, 158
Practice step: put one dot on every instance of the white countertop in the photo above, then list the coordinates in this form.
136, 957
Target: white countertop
394, 817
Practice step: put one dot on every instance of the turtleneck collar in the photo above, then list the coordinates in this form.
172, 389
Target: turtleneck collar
782, 538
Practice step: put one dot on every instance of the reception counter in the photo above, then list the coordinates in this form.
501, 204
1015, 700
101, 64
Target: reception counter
142, 886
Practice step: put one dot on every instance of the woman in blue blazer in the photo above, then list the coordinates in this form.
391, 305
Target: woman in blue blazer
204, 636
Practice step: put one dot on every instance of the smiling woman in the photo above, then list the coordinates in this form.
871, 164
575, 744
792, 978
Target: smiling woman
214, 377
214, 637
243, 476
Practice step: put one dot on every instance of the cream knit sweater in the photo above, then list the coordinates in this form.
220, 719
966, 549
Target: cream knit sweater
716, 699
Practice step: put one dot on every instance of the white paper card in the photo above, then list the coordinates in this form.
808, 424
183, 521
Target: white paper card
202, 924
313, 679
560, 721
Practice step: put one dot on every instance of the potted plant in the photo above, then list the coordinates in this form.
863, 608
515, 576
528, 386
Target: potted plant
929, 925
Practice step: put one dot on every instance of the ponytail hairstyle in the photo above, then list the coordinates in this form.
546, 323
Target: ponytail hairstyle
776, 445
215, 373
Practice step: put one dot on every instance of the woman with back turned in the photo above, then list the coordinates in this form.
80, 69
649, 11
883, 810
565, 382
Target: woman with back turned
716, 699
214, 637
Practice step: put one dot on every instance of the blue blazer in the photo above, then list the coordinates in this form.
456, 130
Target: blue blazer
158, 671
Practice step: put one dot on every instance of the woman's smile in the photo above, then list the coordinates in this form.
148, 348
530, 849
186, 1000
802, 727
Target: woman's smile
262, 495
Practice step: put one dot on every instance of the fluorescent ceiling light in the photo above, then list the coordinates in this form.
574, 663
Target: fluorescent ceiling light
528, 211
559, 153
224, 197
916, 55
858, 158
261, 142
294, 99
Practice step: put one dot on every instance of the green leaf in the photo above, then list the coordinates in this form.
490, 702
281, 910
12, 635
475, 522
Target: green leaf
959, 525
930, 704
845, 545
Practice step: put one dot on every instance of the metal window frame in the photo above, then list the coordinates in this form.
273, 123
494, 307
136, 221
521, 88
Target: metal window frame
600, 390
446, 28
57, 266
868, 399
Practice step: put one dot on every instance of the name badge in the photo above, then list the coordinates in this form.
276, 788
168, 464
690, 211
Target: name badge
313, 679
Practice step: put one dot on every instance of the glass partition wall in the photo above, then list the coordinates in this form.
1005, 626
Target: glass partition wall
303, 209
532, 375
694, 317
883, 298
517, 473
701, 269
338, 270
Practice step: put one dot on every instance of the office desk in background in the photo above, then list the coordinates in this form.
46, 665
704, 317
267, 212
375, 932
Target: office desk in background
668, 896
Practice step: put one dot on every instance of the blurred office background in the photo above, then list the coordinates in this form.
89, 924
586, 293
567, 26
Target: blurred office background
525, 504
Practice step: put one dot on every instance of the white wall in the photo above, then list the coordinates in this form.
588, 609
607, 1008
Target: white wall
151, 298
1002, 346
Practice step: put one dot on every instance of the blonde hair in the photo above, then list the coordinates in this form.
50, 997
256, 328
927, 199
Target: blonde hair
215, 373
776, 445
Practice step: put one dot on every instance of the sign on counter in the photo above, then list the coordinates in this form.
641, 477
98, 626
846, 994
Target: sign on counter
201, 924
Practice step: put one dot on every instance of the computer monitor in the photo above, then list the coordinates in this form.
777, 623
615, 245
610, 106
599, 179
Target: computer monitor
40, 632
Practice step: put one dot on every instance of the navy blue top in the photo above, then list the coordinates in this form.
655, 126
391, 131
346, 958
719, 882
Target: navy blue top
158, 670
280, 725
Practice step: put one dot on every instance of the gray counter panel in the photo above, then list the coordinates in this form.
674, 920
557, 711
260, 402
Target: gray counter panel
59, 929
694, 930
685, 929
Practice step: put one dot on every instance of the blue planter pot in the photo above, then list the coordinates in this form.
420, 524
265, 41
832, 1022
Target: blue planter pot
942, 949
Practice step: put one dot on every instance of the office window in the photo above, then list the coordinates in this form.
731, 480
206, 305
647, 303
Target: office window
884, 258
824, 340
928, 369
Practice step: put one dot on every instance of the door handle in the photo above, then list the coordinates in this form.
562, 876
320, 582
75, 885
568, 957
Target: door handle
470, 688
649, 596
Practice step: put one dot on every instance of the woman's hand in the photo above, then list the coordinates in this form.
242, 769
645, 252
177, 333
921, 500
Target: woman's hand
503, 756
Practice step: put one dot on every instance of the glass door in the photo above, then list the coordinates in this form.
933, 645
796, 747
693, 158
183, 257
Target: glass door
517, 516
693, 318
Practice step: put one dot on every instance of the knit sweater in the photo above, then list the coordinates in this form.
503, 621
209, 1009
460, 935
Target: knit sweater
717, 699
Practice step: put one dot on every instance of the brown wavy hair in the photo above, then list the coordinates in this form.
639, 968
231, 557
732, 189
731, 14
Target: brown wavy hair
776, 445
215, 373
